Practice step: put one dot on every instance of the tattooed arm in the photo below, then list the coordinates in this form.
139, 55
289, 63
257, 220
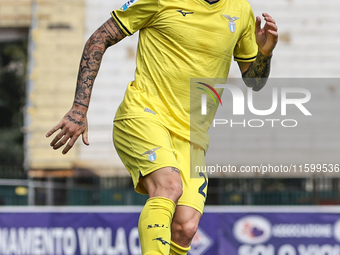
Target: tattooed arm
255, 74
74, 122
105, 36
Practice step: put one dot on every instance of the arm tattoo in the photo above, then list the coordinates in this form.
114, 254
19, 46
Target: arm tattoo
114, 38
174, 169
257, 74
97, 55
79, 113
80, 123
105, 36
81, 104
84, 64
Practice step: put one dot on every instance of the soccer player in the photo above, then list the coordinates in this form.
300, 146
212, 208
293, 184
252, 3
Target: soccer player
178, 40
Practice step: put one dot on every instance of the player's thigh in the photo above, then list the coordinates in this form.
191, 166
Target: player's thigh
144, 146
164, 182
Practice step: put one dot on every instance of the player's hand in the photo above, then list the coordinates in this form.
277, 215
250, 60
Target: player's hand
71, 127
266, 37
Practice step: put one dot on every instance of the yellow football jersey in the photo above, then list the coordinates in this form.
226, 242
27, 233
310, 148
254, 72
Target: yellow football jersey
180, 40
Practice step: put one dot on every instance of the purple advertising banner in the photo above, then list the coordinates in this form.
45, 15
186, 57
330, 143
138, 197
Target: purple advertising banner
223, 230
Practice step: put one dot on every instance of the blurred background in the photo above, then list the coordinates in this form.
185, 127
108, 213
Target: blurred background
41, 42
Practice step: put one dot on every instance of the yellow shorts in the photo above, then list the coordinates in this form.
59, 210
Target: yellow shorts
145, 145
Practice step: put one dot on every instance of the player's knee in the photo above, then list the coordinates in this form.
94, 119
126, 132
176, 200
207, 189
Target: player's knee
186, 231
190, 229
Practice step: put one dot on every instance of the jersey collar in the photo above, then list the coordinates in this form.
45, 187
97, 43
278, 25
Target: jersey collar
212, 5
213, 2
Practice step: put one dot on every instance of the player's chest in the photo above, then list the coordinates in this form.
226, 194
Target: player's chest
190, 21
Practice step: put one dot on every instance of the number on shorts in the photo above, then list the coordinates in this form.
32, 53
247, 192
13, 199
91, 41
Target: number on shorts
202, 187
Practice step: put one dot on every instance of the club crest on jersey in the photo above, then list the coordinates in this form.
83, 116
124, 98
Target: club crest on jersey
151, 154
128, 4
232, 25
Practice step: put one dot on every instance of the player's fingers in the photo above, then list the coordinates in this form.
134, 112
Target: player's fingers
62, 142
257, 25
269, 19
70, 144
271, 25
57, 138
85, 137
266, 15
55, 128
274, 33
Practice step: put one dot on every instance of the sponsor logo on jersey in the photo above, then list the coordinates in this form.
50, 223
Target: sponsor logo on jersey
232, 24
161, 240
184, 13
151, 154
128, 4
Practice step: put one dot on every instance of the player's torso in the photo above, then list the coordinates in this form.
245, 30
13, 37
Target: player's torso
184, 39
188, 39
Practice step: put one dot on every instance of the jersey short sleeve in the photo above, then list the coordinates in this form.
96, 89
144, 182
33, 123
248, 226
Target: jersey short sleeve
246, 48
135, 15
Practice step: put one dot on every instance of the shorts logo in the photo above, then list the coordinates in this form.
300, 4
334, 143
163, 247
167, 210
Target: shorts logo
128, 4
232, 25
151, 154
